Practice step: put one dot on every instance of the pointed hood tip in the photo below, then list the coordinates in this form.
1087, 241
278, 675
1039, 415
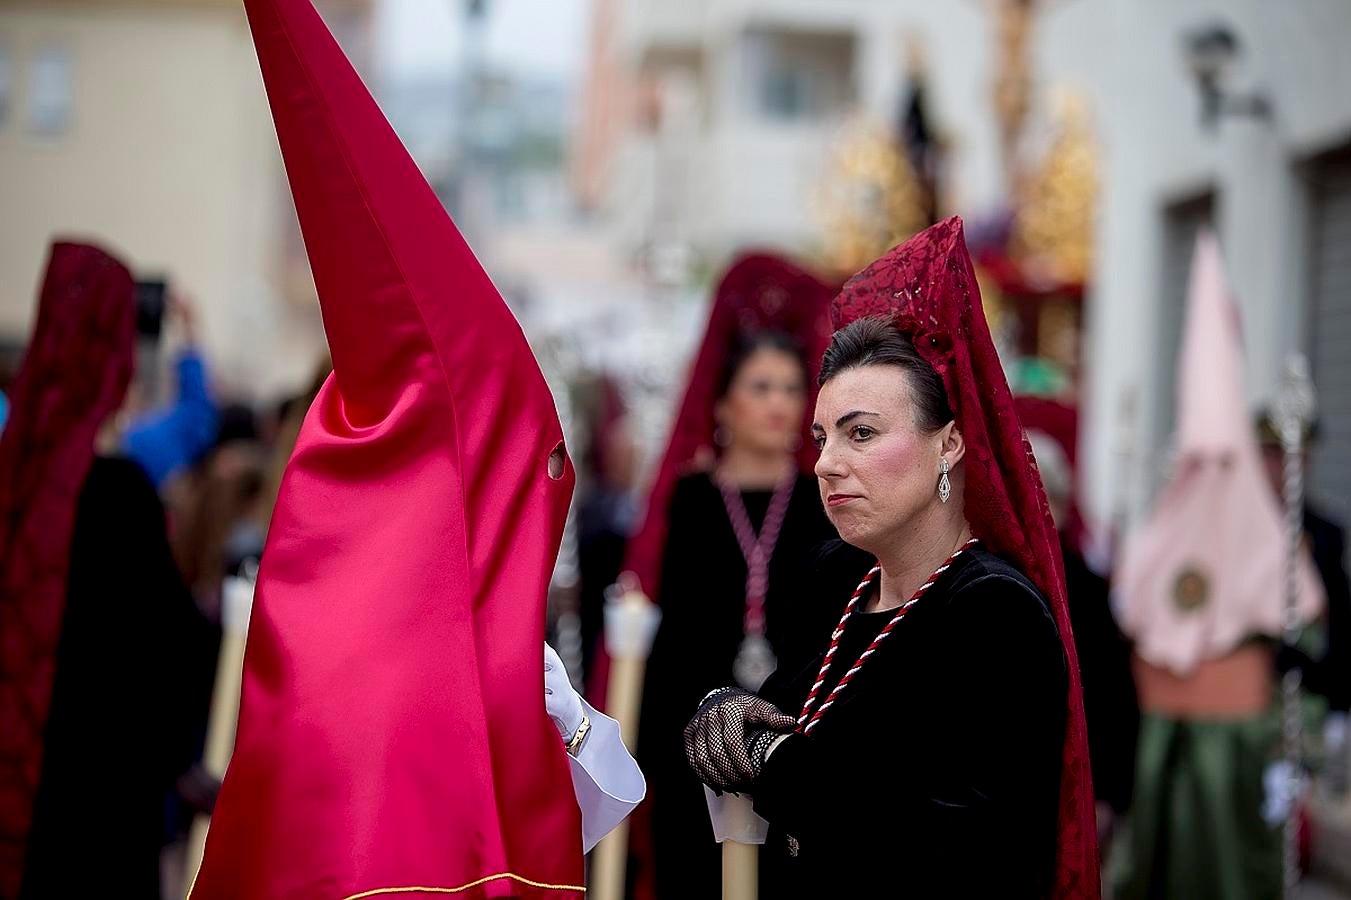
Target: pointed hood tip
395, 278
1212, 410
417, 511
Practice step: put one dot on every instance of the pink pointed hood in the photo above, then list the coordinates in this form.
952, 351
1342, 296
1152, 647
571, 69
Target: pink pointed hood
1206, 570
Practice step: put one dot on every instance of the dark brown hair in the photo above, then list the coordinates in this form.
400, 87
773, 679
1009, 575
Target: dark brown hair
746, 344
874, 341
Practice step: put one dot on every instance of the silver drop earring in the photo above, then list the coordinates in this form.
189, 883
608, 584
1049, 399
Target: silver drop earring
944, 486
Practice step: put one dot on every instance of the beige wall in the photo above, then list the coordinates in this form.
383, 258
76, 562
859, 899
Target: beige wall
169, 160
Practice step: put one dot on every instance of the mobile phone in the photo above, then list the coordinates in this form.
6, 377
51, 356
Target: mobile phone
151, 295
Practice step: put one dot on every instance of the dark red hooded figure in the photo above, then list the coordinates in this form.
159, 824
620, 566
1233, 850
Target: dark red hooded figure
759, 292
392, 734
685, 517
74, 375
928, 287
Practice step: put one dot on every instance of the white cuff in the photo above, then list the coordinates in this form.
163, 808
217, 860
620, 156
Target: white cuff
605, 778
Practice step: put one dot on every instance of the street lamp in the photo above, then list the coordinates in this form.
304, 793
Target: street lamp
1211, 51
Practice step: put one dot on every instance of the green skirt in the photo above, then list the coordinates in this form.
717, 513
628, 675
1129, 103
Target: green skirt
1196, 829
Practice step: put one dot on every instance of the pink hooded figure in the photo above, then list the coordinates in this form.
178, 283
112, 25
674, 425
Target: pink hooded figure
1206, 570
1200, 589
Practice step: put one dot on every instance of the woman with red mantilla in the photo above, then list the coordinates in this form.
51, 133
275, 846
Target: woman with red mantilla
732, 526
937, 746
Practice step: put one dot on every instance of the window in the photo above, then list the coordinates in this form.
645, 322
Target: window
1329, 324
794, 76
786, 94
51, 91
1183, 220
6, 85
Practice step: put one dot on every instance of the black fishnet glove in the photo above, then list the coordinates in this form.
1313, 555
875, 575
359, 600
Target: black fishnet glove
726, 741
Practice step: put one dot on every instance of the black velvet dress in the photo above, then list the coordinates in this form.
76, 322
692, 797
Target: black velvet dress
703, 597
936, 772
1110, 705
1330, 675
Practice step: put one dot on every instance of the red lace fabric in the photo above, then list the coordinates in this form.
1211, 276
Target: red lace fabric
927, 285
74, 375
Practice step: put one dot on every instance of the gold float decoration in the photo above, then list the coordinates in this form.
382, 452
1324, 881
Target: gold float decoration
1053, 231
1012, 86
870, 198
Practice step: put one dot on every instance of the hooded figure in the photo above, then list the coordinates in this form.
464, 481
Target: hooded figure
98, 631
1206, 571
392, 732
936, 744
1200, 589
766, 330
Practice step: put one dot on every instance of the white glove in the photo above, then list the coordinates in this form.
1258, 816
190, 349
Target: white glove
560, 700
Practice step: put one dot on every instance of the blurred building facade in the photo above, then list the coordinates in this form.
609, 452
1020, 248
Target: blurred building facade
727, 111
143, 126
1276, 189
731, 109
710, 126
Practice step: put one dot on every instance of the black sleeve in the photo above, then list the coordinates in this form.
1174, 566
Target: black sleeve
680, 573
1110, 702
137, 617
671, 688
986, 730
1331, 676
678, 552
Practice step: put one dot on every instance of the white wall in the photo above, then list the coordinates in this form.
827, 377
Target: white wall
1126, 56
1127, 53
171, 162
752, 180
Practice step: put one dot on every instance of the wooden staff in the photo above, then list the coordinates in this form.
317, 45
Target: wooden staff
740, 871
631, 621
236, 604
740, 831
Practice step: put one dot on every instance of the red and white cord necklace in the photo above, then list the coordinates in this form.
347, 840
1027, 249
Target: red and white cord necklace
808, 719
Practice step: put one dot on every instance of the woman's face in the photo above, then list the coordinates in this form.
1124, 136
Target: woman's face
877, 472
763, 408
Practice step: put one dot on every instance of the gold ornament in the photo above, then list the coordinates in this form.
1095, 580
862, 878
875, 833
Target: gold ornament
1191, 589
1011, 88
870, 199
1053, 230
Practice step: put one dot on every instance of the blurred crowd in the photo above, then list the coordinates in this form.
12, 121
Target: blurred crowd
182, 478
179, 486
